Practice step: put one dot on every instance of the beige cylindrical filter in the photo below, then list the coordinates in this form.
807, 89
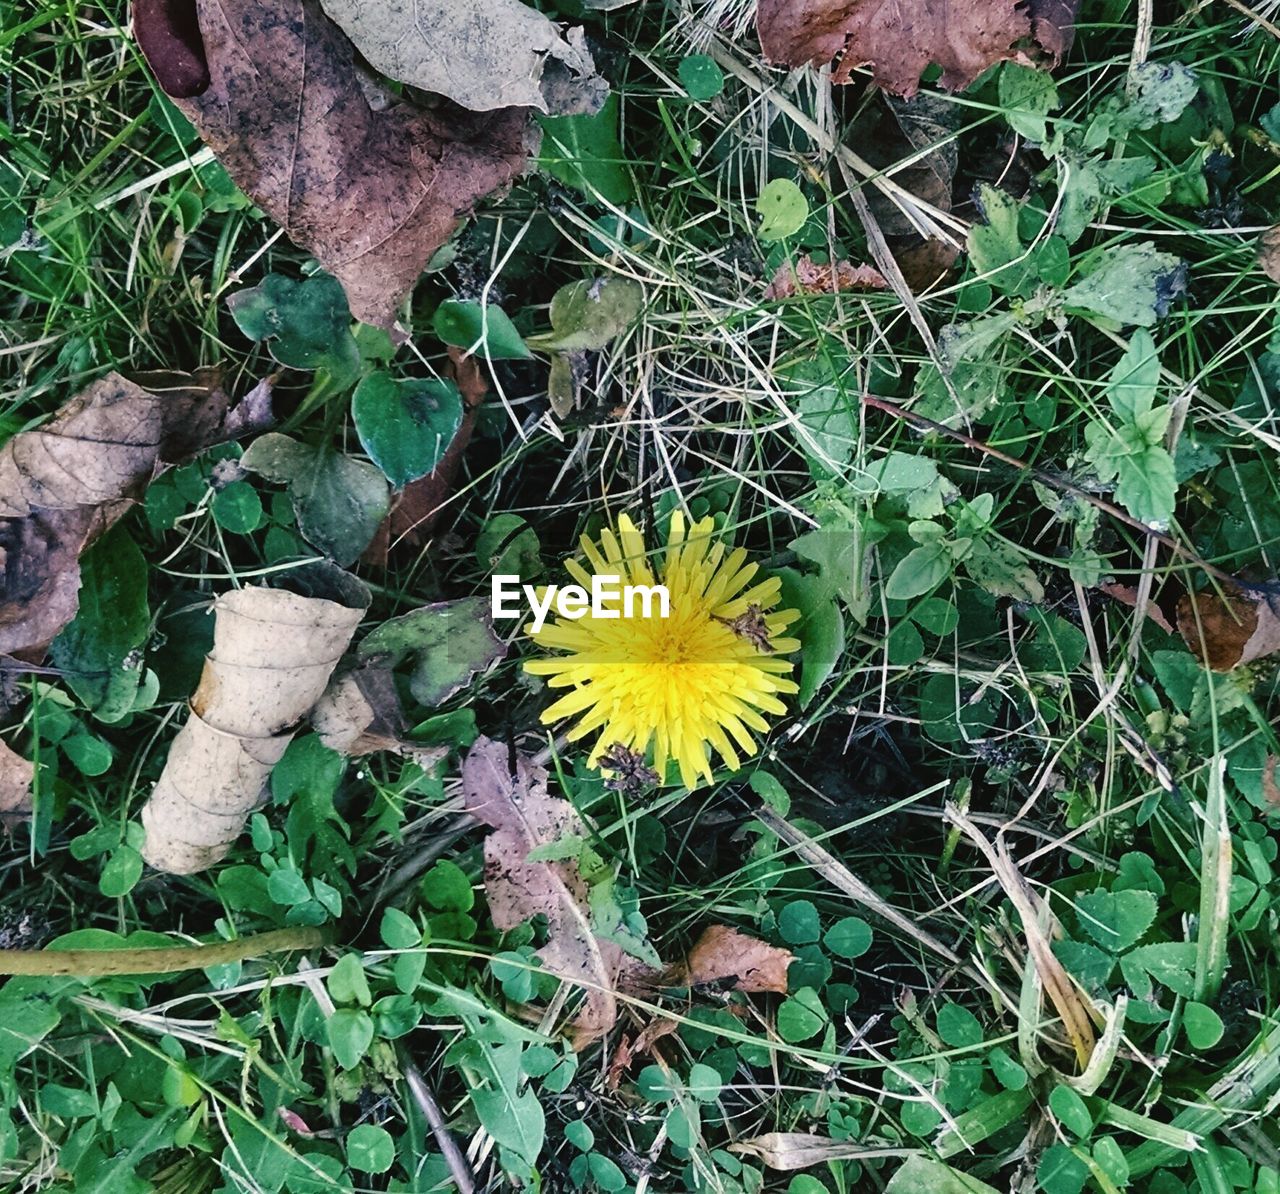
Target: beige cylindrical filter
273, 653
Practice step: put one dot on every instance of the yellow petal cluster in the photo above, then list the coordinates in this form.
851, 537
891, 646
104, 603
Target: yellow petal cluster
679, 685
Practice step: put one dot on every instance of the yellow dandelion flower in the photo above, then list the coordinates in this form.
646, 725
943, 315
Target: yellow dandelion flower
704, 676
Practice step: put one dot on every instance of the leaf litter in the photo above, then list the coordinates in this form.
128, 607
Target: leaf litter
522, 817
273, 653
63, 484
371, 193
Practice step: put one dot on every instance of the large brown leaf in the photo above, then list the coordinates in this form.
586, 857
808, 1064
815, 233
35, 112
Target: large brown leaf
522, 816
67, 481
897, 39
372, 194
1234, 628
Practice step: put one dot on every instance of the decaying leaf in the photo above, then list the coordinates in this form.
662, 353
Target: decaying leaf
787, 1151
723, 954
920, 131
484, 54
371, 194
521, 817
1269, 252
1270, 788
273, 653
1128, 595
1232, 628
16, 774
898, 39
805, 276
339, 503
417, 507
64, 483
360, 714
448, 643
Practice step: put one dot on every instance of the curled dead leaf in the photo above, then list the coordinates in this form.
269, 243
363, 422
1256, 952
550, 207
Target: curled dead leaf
724, 954
897, 39
370, 193
360, 714
273, 653
1231, 628
805, 276
65, 482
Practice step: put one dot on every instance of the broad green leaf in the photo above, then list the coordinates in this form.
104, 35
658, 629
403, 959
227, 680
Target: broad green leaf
484, 330
820, 630
306, 324
994, 245
121, 873
802, 1016
850, 937
237, 508
1026, 96
1071, 1112
919, 572
701, 76
584, 152
798, 923
1130, 284
587, 315
1003, 570
958, 1026
1204, 1027
1169, 963
405, 424
1060, 1171
1132, 386
350, 1035
398, 930
782, 209
448, 643
98, 652
348, 983
838, 548
1116, 919
339, 502
920, 1175
370, 1149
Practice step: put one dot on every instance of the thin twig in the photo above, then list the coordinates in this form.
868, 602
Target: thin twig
462, 1175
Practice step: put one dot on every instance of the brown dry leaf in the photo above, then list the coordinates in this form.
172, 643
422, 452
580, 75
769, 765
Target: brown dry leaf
273, 653
892, 131
1241, 625
897, 39
1128, 595
16, 774
723, 953
360, 714
521, 817
1271, 789
805, 276
1269, 252
67, 481
371, 194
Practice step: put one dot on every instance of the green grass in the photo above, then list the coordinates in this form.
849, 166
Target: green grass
1078, 738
